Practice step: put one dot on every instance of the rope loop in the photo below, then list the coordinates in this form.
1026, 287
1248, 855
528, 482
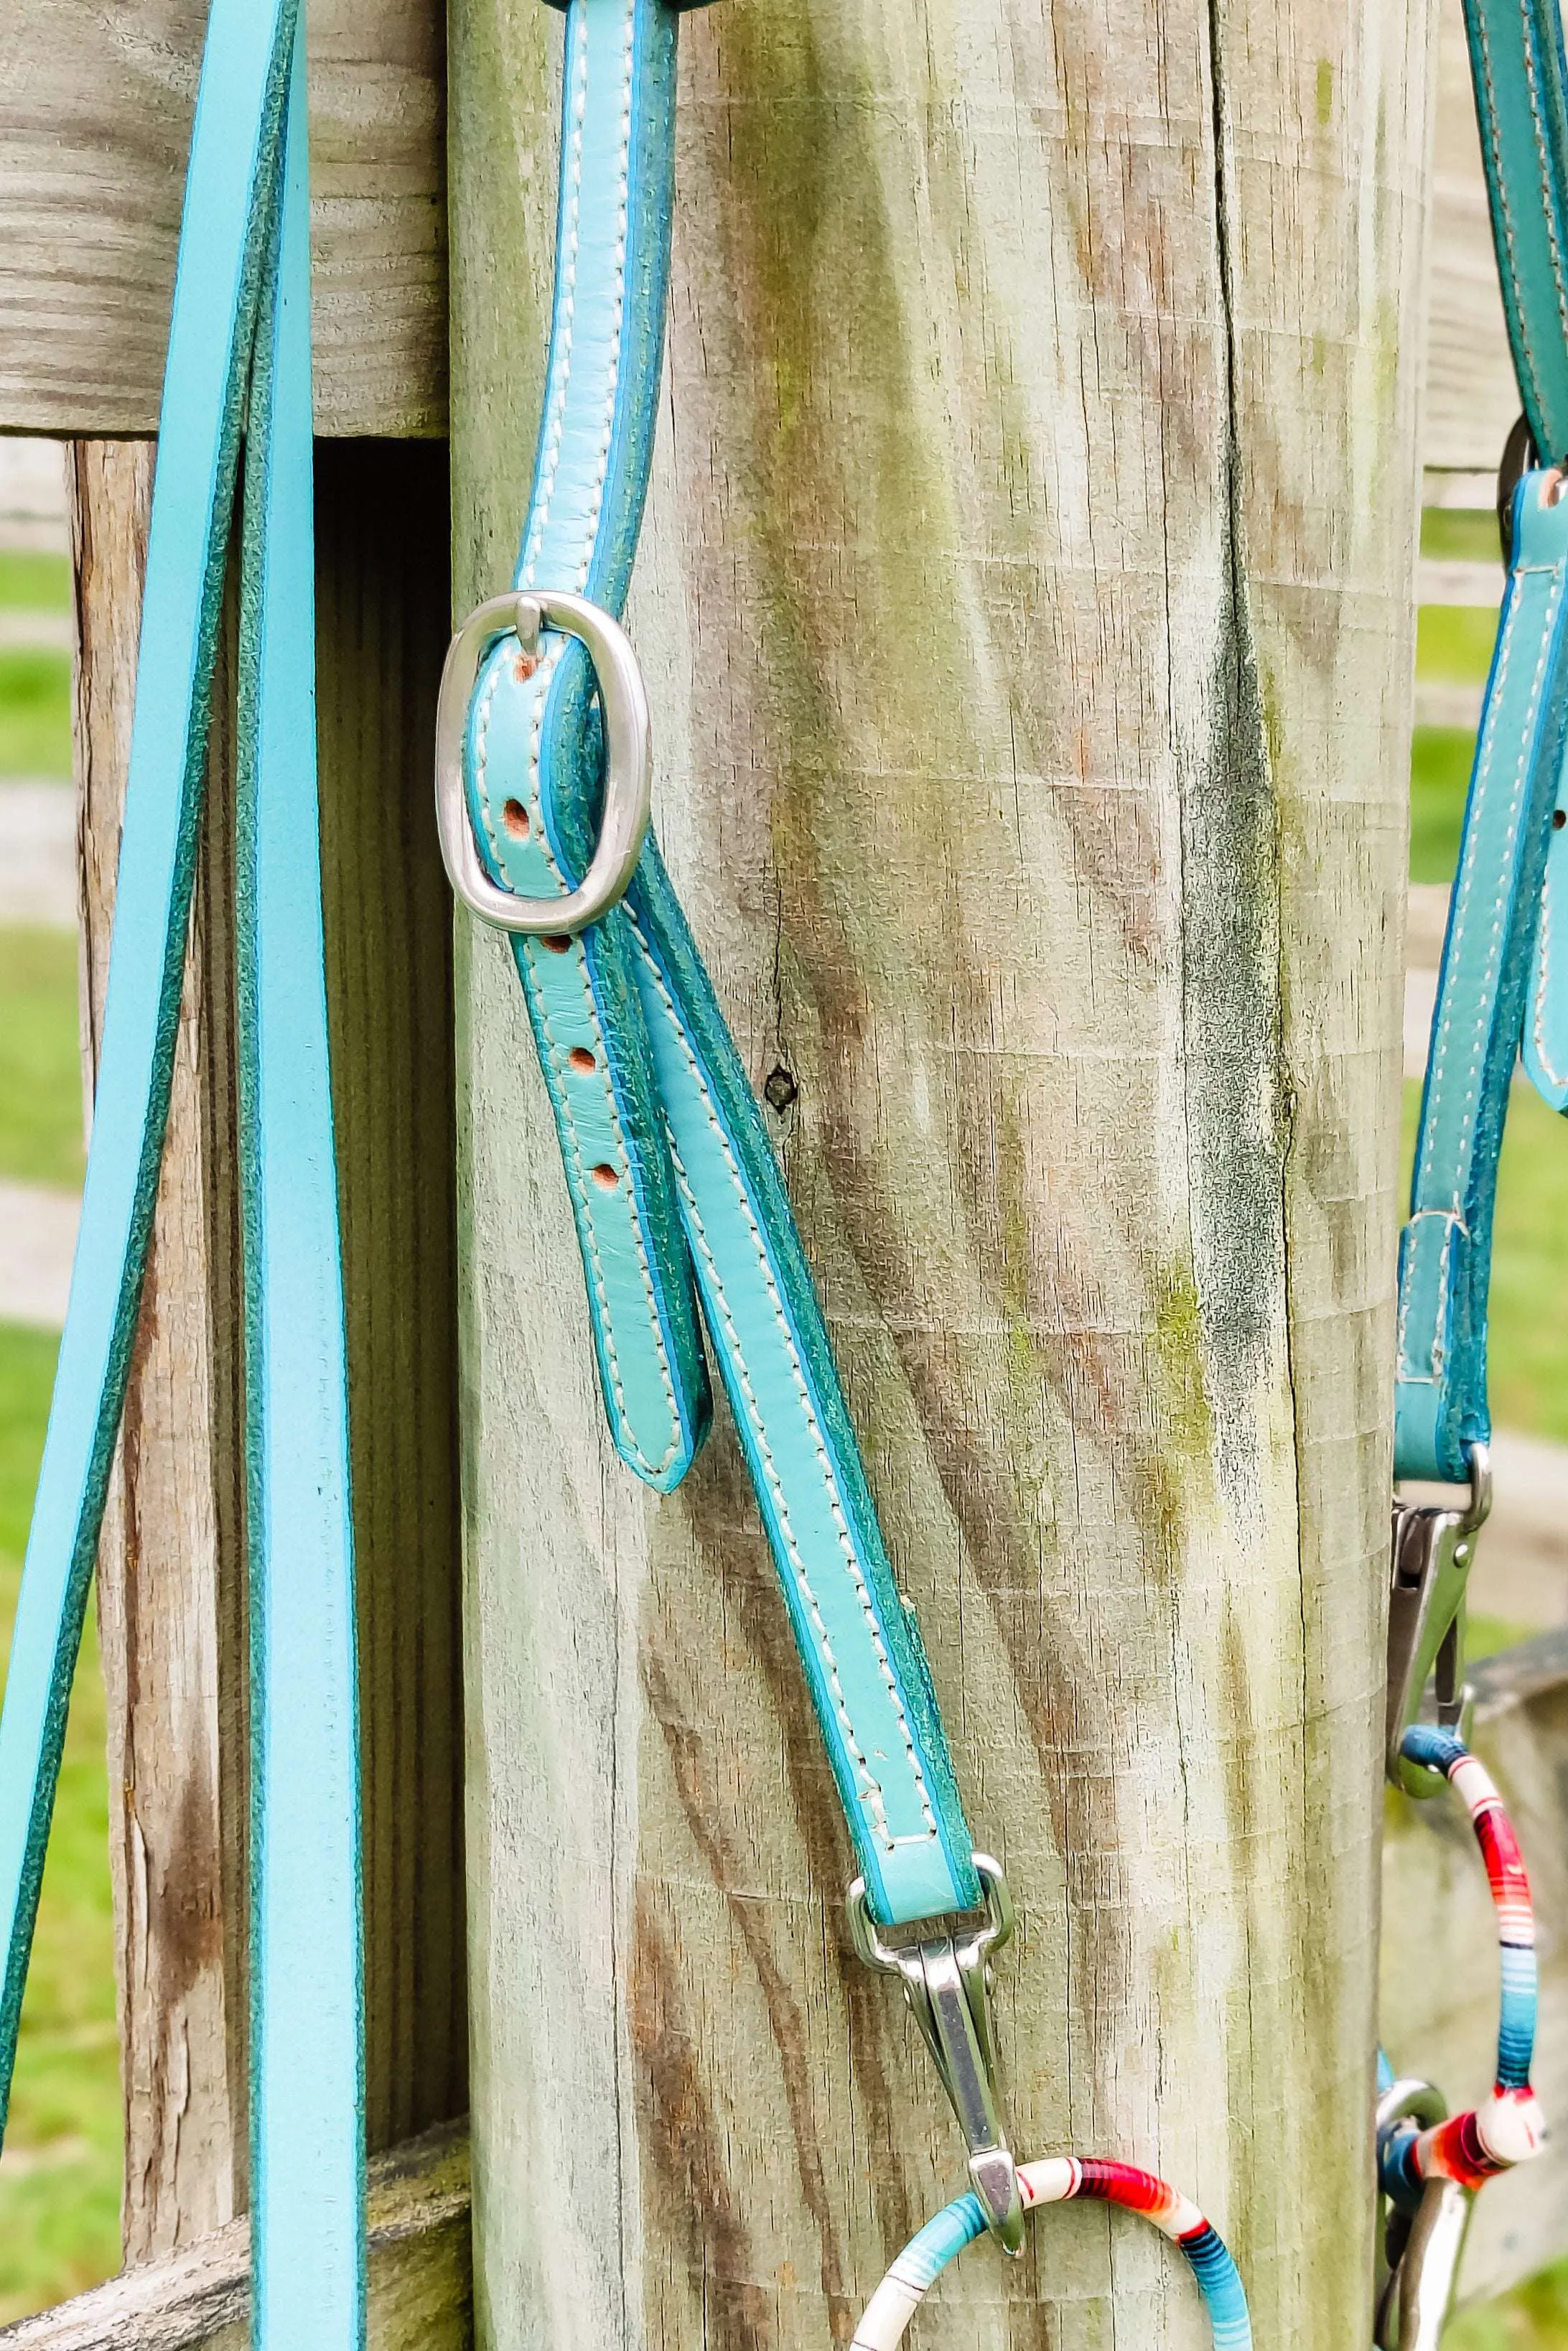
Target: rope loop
1509, 2128
1058, 2179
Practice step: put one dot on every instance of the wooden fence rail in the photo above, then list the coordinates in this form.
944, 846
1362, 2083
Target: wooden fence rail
95, 126
421, 2285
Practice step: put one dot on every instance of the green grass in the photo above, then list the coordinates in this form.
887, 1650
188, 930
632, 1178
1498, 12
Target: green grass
1485, 1637
1534, 2317
35, 583
1440, 760
1461, 535
35, 713
59, 2181
1453, 647
40, 1081
1454, 643
1530, 1273
59, 2184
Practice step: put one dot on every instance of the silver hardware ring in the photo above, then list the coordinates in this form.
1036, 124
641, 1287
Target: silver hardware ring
869, 1948
629, 763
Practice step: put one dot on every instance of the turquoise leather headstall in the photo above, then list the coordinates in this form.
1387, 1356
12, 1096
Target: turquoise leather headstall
239, 354
682, 1216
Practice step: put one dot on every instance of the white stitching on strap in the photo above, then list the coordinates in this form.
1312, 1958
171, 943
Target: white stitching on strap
1453, 1212
874, 1798
1544, 966
1543, 160
554, 423
1500, 182
1461, 914
1429, 1379
596, 506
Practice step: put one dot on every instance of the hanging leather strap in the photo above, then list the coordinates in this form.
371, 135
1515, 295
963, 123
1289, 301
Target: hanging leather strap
1503, 985
674, 1188
1522, 110
1445, 1258
306, 2064
239, 332
1517, 71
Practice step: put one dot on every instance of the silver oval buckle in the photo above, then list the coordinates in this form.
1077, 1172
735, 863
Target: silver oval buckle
629, 761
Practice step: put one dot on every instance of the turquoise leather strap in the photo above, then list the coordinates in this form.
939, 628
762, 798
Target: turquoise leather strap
1503, 987
676, 1191
1545, 1042
242, 291
1445, 1250
586, 508
1517, 68
306, 2121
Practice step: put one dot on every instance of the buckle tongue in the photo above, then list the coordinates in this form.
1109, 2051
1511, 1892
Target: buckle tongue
1432, 1551
946, 1982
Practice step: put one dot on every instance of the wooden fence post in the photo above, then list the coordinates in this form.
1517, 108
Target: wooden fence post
1025, 601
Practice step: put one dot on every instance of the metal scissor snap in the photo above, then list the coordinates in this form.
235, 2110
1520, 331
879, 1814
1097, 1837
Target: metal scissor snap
1418, 2251
1433, 1549
947, 1980
629, 761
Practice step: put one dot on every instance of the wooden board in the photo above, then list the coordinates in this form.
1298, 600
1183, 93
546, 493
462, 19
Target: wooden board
95, 124
170, 1593
1025, 606
421, 2296
171, 1580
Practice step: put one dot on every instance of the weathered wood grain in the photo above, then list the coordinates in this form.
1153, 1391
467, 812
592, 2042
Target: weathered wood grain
1439, 2015
94, 122
95, 125
420, 2287
1025, 603
170, 1600
170, 1576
